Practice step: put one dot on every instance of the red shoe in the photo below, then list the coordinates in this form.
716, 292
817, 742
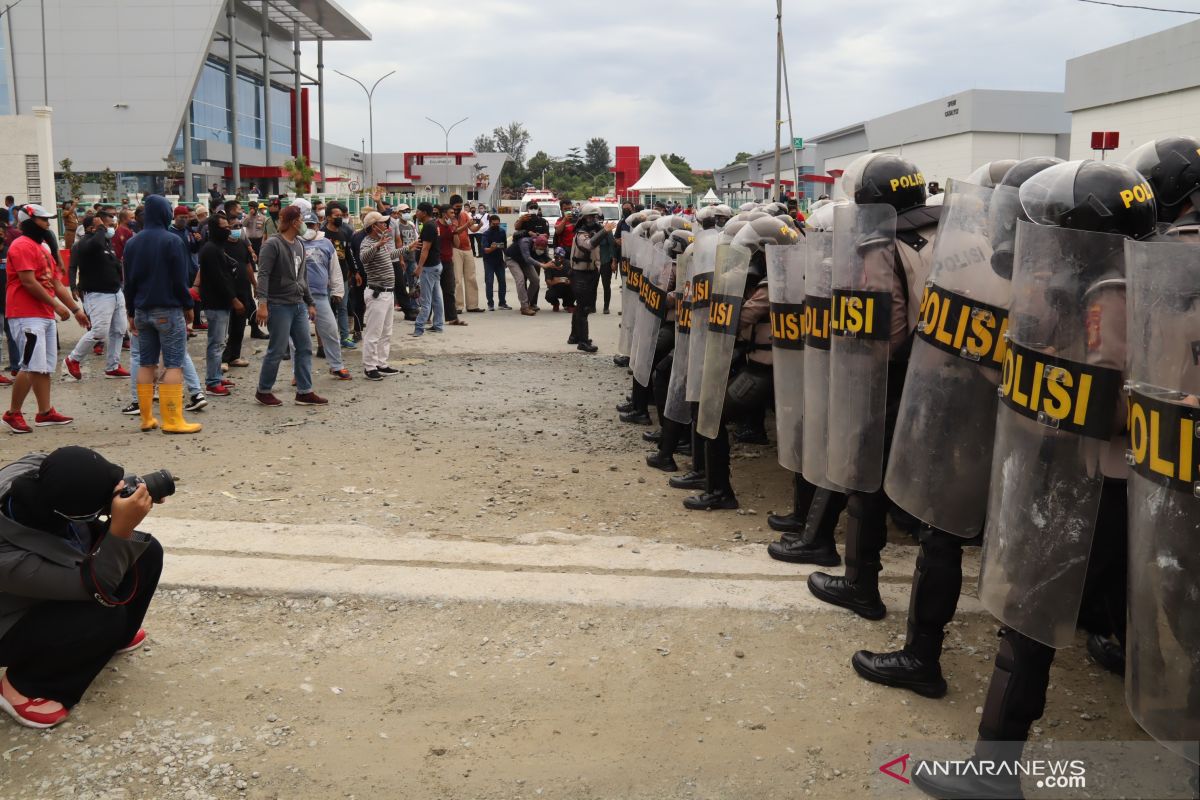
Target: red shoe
73, 368
24, 715
217, 390
119, 372
138, 640
125, 342
227, 382
311, 399
50, 418
341, 374
201, 326
267, 399
4, 381
15, 421
98, 349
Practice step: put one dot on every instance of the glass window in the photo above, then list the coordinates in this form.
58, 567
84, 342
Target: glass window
211, 117
281, 120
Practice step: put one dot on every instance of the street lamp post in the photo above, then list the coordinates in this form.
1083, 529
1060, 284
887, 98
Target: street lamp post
445, 130
370, 118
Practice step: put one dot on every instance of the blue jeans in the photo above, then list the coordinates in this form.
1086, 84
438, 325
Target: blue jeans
287, 322
498, 273
163, 332
327, 332
343, 315
431, 297
218, 332
191, 380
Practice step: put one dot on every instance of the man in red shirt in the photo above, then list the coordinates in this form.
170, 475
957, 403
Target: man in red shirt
34, 294
124, 232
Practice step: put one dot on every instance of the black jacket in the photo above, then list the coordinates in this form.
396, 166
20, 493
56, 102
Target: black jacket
218, 277
94, 266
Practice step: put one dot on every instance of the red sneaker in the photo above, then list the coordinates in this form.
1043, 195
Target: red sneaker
267, 399
98, 349
217, 390
73, 368
311, 399
119, 372
138, 640
24, 714
227, 382
50, 418
15, 421
4, 381
341, 374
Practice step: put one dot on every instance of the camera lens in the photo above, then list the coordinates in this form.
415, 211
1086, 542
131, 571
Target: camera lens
160, 483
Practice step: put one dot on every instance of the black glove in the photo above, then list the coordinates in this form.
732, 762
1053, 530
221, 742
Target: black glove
335, 302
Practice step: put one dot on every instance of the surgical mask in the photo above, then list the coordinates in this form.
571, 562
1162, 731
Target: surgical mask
235, 234
309, 234
302, 229
110, 232
321, 214
406, 217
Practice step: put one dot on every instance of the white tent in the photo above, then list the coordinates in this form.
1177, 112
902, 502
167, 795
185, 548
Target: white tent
710, 199
659, 180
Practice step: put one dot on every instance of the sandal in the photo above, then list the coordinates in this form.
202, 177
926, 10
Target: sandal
24, 714
458, 322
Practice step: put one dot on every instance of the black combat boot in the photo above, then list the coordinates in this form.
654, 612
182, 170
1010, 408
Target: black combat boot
971, 781
659, 461
802, 494
1107, 652
637, 417
694, 478
866, 533
691, 480
621, 361
718, 493
937, 583
711, 501
653, 437
626, 407
814, 545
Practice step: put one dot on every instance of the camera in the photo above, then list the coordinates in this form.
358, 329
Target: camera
160, 484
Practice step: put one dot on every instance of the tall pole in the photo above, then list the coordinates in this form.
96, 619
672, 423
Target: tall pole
297, 112
778, 89
321, 108
187, 153
445, 130
370, 117
236, 166
45, 69
266, 72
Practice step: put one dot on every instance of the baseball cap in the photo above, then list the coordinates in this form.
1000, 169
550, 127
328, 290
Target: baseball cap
181, 211
403, 208
311, 219
373, 218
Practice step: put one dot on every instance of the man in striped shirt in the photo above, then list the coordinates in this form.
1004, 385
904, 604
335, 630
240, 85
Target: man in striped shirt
375, 253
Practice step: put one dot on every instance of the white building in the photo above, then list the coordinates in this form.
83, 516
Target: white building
1143, 89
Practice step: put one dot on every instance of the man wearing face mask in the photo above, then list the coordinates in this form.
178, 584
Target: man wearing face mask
338, 233
406, 281
585, 272
76, 578
217, 283
328, 291
96, 275
375, 253
285, 306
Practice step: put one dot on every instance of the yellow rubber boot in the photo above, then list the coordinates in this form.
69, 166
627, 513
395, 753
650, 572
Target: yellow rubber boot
146, 406
170, 400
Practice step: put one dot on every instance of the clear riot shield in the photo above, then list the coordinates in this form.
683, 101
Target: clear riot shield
626, 326
656, 277
818, 277
941, 455
704, 263
860, 318
630, 302
785, 287
725, 309
1060, 393
1162, 668
677, 409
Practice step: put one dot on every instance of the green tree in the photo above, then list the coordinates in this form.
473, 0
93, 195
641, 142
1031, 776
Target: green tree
597, 157
512, 138
739, 158
300, 173
485, 144
74, 180
108, 184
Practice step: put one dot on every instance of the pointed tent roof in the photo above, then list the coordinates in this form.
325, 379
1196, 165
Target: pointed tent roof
659, 180
711, 197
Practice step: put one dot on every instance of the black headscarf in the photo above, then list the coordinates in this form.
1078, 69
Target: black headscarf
72, 482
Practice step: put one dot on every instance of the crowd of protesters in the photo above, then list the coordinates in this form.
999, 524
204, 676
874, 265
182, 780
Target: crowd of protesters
144, 279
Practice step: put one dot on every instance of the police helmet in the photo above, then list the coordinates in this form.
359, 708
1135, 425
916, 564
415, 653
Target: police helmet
658, 237
590, 210
758, 233
775, 209
677, 242
644, 228
885, 178
707, 217
749, 206
1100, 196
674, 222
1172, 166
990, 174
1005, 209
821, 217
635, 219
731, 229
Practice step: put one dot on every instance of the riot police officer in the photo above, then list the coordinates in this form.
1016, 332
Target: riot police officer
670, 373
1057, 491
941, 457
743, 319
883, 246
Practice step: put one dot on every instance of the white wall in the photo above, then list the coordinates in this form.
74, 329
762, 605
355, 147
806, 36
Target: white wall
1138, 121
22, 136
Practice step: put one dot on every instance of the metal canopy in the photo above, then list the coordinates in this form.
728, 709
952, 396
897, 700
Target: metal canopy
317, 19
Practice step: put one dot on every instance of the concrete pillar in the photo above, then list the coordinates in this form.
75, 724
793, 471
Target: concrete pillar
266, 72
186, 194
236, 178
321, 108
44, 116
297, 127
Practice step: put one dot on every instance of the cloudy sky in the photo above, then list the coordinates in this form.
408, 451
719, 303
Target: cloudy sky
696, 78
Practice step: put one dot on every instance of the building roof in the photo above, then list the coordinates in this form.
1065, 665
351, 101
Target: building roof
318, 19
1162, 62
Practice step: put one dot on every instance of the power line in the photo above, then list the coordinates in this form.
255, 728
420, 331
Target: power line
1141, 8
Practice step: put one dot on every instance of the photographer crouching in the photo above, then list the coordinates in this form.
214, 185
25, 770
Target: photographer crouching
76, 577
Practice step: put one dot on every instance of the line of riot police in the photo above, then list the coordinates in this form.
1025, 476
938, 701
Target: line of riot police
1016, 369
